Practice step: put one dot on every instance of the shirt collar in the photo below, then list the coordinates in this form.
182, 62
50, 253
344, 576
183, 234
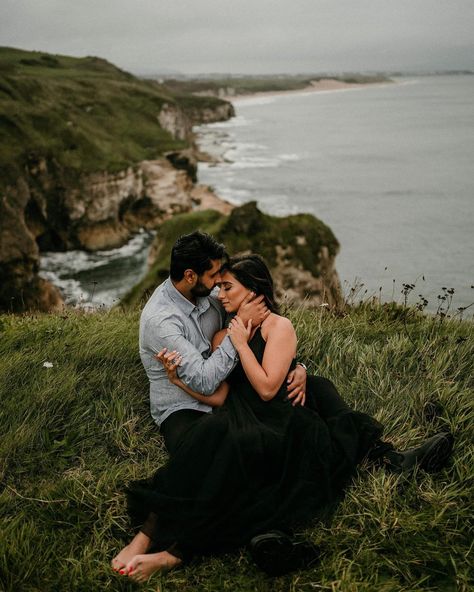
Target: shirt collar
202, 303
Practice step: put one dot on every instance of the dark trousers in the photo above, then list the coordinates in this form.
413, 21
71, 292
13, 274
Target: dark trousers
176, 425
173, 430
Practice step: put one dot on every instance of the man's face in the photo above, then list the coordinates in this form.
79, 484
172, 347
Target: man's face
207, 281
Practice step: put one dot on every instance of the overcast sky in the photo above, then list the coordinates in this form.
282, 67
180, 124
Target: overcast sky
248, 36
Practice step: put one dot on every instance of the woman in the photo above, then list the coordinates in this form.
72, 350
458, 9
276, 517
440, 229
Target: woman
258, 462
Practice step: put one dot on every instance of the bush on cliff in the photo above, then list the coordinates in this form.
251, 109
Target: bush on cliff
76, 430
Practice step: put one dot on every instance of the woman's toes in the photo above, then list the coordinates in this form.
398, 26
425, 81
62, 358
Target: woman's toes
132, 569
117, 564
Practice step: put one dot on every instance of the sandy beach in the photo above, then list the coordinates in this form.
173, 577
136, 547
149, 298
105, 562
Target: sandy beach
323, 85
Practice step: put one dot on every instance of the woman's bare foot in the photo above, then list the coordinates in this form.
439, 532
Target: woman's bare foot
139, 544
142, 567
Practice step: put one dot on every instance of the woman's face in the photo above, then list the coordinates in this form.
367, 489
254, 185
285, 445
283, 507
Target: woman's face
231, 292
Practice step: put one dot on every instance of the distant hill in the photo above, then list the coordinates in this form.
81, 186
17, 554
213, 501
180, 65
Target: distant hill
85, 113
230, 85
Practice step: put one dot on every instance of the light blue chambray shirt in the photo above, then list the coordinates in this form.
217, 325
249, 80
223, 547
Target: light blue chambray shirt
170, 320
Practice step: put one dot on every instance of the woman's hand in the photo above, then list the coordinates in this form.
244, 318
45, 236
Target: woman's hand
171, 361
238, 332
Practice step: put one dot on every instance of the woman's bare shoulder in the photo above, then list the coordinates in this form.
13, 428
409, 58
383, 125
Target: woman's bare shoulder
277, 324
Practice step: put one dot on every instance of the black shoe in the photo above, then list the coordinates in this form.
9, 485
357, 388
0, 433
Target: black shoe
377, 452
276, 554
430, 456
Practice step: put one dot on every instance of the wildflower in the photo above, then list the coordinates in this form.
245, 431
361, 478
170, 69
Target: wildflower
48, 365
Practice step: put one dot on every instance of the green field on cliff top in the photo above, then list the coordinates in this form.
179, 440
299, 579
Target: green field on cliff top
74, 433
84, 114
264, 83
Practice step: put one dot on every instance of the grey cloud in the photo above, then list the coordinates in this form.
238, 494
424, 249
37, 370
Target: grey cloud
247, 35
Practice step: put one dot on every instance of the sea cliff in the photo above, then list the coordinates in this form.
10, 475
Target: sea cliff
89, 154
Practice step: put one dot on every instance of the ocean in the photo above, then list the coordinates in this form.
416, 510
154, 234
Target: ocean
388, 167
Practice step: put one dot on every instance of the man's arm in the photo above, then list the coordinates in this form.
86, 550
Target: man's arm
296, 384
201, 375
171, 361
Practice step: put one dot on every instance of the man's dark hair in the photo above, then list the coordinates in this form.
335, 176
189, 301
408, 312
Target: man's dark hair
195, 251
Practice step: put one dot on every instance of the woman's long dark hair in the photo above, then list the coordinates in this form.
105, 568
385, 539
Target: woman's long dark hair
252, 272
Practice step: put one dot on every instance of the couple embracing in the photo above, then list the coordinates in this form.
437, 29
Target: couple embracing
256, 446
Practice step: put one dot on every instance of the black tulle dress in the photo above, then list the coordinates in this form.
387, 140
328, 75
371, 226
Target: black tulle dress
249, 467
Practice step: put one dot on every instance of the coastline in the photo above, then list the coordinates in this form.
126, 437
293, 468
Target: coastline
393, 143
323, 85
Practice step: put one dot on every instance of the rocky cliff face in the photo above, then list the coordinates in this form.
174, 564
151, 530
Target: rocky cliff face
108, 209
43, 211
179, 122
20, 286
57, 188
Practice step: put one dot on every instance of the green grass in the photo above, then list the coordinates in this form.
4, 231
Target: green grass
81, 115
73, 435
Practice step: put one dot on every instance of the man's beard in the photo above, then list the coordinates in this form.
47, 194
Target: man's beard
200, 290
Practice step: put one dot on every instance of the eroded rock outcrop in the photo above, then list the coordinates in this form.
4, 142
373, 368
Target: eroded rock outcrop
100, 211
20, 286
179, 121
300, 251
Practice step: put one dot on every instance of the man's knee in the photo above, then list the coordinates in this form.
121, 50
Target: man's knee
322, 396
319, 383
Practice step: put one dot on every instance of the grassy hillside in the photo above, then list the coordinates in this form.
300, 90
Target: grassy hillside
83, 114
73, 434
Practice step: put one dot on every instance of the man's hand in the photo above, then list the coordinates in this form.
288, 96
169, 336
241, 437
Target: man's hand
296, 385
253, 308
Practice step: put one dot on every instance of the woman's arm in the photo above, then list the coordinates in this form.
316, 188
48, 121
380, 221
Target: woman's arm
280, 350
171, 361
